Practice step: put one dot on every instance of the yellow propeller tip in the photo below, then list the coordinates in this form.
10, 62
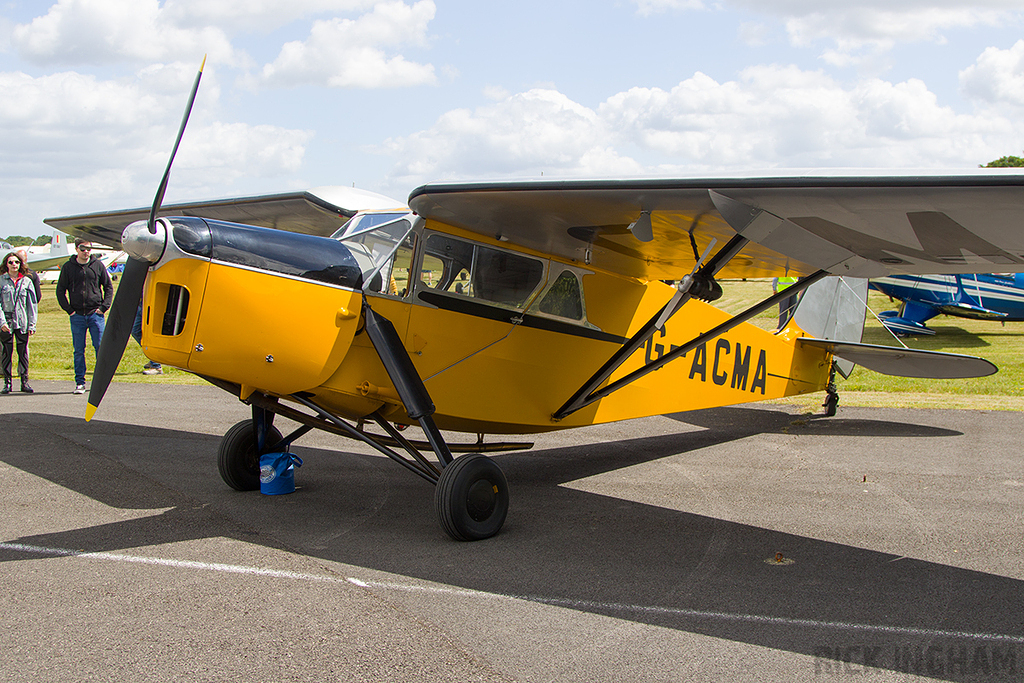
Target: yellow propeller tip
203, 65
90, 410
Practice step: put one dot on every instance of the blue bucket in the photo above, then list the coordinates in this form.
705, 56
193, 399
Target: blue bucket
277, 473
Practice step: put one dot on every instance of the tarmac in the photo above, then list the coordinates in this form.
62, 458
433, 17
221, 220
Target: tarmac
750, 543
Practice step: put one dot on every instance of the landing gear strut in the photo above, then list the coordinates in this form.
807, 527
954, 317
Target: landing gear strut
471, 495
238, 456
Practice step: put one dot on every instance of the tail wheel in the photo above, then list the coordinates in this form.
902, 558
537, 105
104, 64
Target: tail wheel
831, 393
238, 458
831, 404
471, 498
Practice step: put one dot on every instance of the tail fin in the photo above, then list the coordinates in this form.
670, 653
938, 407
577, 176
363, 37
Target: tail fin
832, 312
833, 308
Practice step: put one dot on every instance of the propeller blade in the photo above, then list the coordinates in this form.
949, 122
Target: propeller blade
121, 316
181, 131
118, 329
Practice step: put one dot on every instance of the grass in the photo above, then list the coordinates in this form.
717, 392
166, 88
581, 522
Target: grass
1003, 345
51, 357
50, 351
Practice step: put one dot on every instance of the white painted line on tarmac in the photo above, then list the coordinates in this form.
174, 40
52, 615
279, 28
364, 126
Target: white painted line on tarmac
589, 606
178, 564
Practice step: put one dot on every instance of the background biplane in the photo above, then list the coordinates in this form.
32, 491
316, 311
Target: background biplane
989, 296
522, 307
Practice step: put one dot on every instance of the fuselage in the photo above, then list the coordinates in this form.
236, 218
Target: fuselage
501, 336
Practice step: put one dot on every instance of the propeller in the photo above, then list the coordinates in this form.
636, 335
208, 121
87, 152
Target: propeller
167, 172
121, 316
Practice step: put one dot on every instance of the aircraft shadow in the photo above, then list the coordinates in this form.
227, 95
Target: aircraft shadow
718, 419
560, 546
945, 336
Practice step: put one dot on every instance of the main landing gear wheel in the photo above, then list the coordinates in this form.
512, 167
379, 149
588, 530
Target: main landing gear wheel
237, 457
471, 498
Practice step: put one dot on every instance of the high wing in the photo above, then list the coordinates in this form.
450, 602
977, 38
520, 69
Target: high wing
319, 211
863, 226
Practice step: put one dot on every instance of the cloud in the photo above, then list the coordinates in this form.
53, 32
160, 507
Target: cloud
350, 53
860, 29
883, 24
252, 15
770, 117
532, 133
646, 8
784, 116
754, 34
360, 52
109, 31
997, 76
79, 142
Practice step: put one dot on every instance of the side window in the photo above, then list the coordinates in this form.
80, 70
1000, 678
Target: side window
506, 278
432, 271
445, 262
457, 267
564, 298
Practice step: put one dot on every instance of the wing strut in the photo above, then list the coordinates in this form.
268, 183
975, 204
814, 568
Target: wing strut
590, 393
700, 284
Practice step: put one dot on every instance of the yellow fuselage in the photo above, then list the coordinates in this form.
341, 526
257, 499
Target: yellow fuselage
281, 335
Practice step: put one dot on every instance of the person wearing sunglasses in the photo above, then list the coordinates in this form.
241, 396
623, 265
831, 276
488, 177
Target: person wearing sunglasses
85, 292
18, 309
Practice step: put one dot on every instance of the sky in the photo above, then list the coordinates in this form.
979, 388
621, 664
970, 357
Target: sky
386, 95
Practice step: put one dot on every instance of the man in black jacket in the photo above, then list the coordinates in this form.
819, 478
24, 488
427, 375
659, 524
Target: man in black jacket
84, 291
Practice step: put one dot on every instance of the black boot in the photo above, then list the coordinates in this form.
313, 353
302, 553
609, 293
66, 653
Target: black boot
7, 386
25, 387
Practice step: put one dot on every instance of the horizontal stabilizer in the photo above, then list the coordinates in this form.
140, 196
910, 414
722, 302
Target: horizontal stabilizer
900, 325
901, 362
965, 310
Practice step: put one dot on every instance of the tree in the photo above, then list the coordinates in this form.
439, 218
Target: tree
1005, 162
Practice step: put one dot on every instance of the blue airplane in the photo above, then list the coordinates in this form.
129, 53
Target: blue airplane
991, 296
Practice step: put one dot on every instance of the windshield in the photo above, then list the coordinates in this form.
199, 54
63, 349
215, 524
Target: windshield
364, 221
375, 245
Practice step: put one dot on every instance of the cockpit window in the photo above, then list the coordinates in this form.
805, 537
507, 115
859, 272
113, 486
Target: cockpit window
374, 247
393, 277
473, 270
363, 222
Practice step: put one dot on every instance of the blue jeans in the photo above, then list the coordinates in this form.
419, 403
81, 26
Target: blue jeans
79, 324
137, 335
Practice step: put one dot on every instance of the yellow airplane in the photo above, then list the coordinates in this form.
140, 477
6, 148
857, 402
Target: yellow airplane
528, 306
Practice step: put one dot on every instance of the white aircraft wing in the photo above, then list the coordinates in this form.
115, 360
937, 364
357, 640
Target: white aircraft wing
863, 226
47, 261
319, 211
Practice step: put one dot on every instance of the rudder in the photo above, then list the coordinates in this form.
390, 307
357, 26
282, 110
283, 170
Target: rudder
834, 308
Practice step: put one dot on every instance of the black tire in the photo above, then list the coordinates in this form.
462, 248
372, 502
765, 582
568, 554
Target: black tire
831, 404
471, 498
237, 459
